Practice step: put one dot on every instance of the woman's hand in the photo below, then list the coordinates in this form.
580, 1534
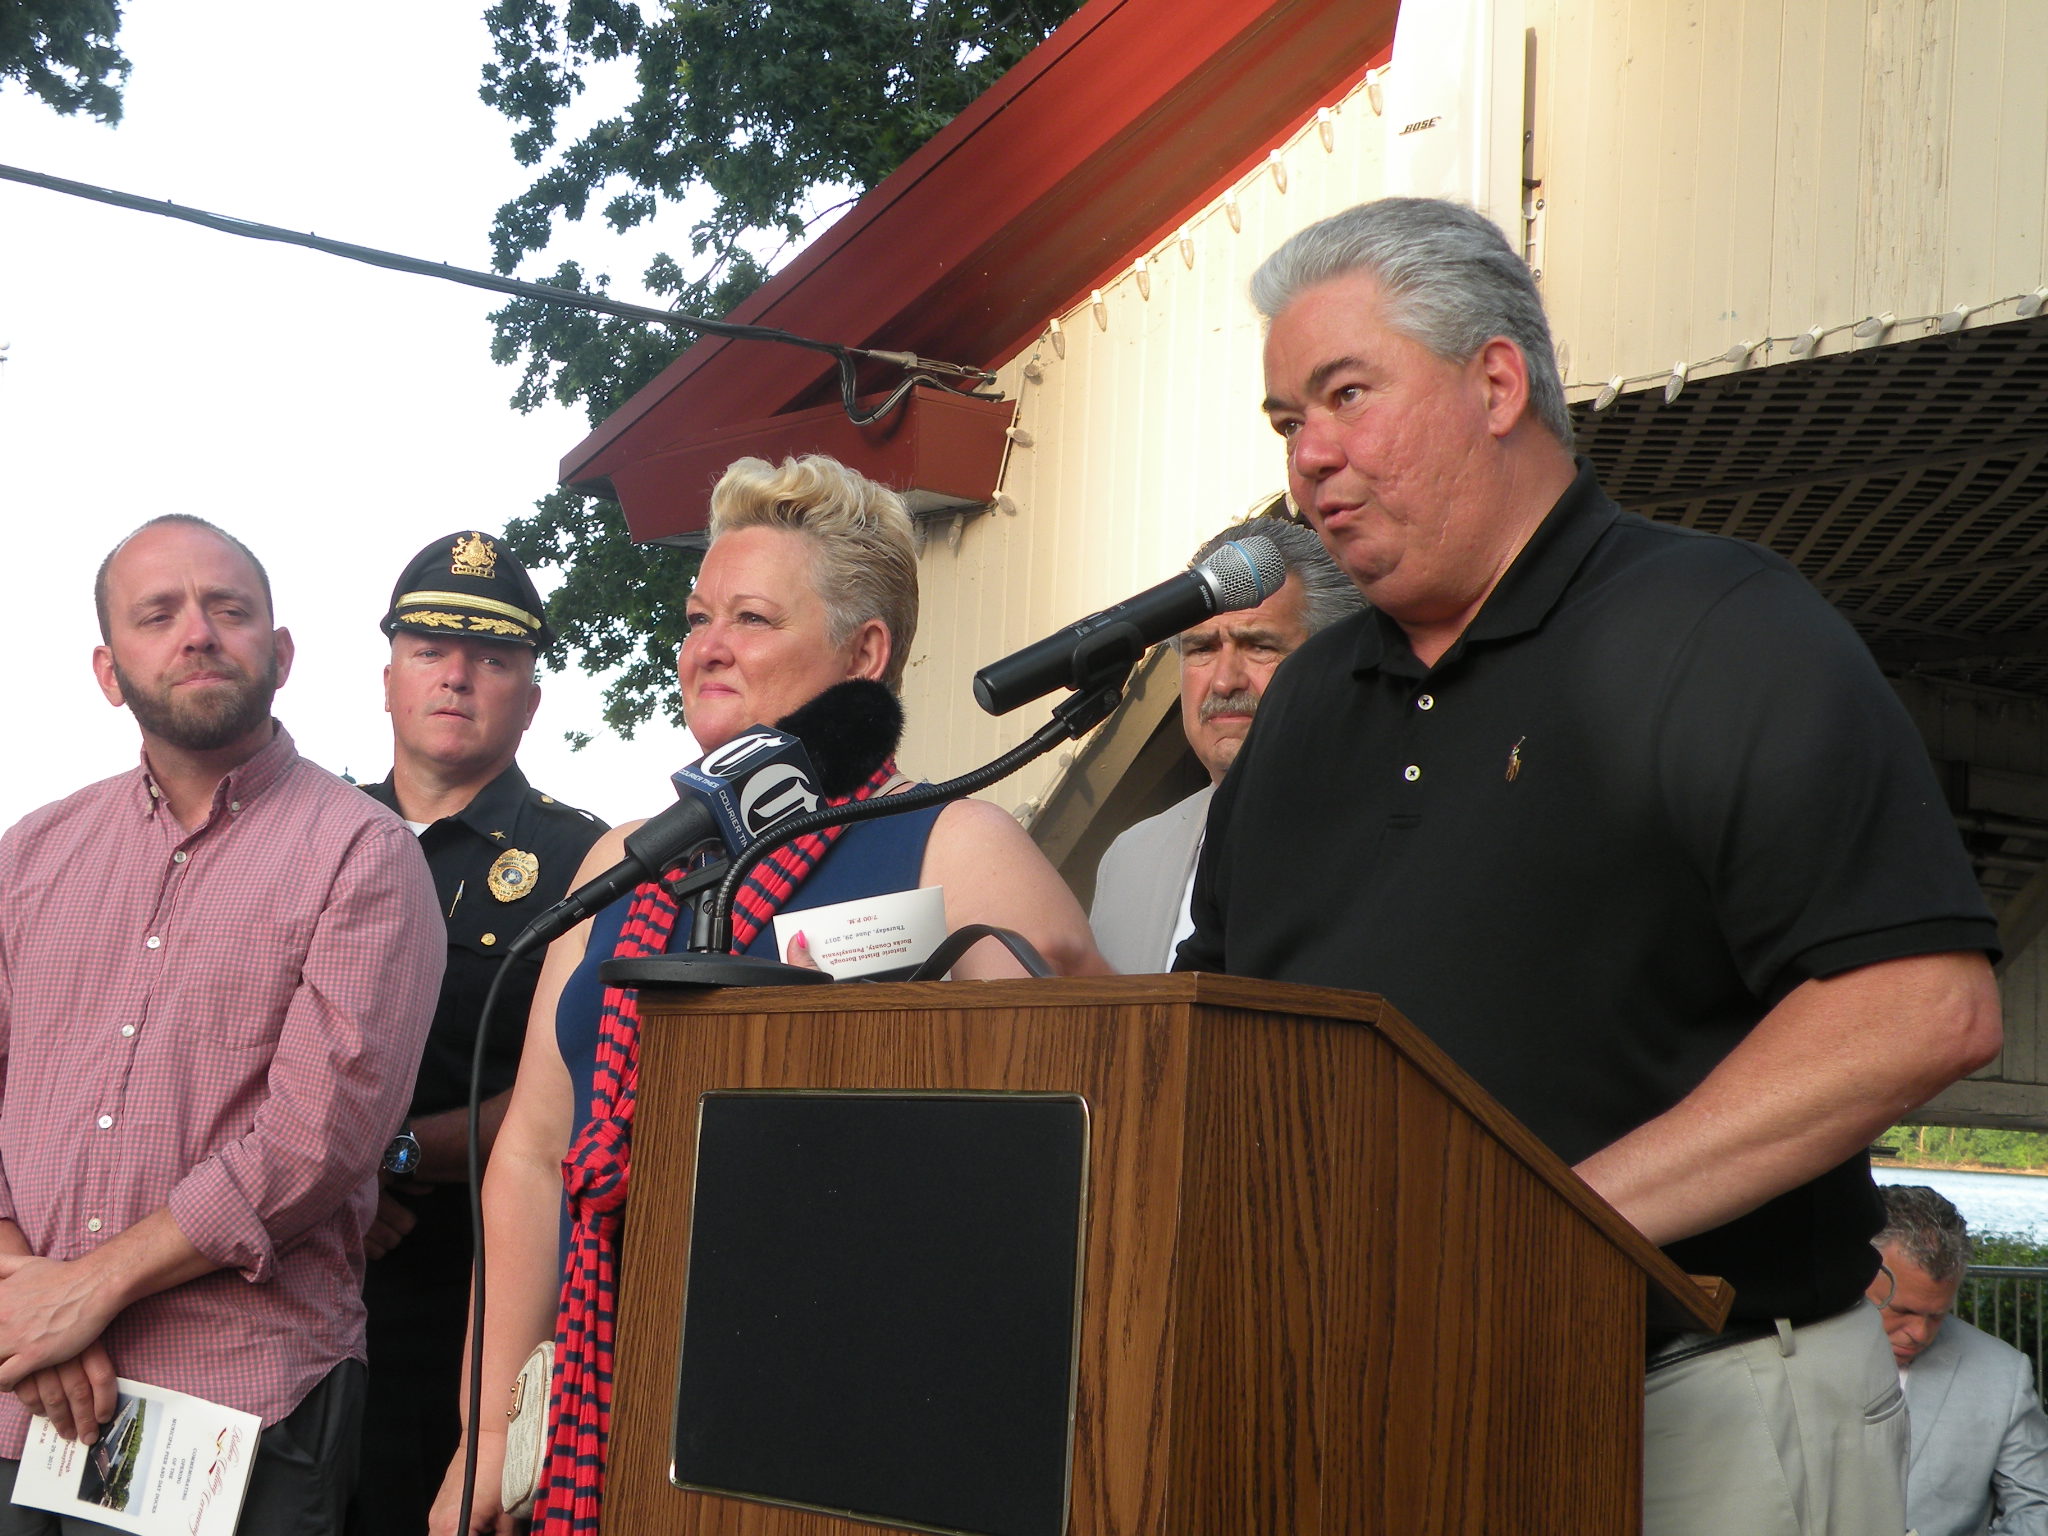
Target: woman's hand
799, 953
487, 1515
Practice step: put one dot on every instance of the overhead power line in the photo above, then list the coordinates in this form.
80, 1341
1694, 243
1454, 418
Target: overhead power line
916, 370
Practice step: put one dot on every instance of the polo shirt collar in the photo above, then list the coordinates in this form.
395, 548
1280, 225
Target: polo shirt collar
1527, 592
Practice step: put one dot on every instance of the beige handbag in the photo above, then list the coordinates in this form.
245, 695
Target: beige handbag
526, 1435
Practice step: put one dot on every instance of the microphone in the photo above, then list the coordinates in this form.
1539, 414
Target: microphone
741, 790
1242, 574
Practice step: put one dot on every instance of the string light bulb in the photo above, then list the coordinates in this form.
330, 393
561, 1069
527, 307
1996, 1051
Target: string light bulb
1326, 128
1059, 339
1142, 270
1232, 212
1675, 385
2033, 303
1873, 329
1609, 393
1279, 166
1953, 320
1805, 343
1375, 92
1186, 237
1096, 303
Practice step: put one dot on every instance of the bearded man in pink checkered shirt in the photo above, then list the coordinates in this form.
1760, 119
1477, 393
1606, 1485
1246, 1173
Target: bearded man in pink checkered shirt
216, 975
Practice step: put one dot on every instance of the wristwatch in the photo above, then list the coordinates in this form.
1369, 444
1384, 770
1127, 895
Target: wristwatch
402, 1157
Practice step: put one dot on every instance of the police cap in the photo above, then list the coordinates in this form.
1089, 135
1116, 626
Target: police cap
464, 584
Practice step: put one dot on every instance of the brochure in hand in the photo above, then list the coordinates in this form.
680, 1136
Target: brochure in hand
166, 1463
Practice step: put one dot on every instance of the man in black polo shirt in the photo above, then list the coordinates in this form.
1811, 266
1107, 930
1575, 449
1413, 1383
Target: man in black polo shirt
464, 623
1626, 819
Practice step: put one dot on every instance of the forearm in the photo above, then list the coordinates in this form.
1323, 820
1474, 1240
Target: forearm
1819, 1077
151, 1256
51, 1310
522, 1203
444, 1139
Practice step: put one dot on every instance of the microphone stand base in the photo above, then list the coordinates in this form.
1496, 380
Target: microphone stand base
672, 972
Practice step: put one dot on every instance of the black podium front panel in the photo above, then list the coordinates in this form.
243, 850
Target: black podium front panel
880, 1313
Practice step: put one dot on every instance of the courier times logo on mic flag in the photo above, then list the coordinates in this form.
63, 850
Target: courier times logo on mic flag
755, 781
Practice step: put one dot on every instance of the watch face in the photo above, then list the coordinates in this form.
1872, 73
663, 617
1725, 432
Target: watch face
403, 1155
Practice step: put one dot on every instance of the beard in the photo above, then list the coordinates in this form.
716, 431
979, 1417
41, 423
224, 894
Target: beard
210, 719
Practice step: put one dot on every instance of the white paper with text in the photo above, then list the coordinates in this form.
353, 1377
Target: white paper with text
167, 1465
875, 933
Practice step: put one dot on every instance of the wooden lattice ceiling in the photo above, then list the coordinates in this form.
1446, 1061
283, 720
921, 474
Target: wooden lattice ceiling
1908, 481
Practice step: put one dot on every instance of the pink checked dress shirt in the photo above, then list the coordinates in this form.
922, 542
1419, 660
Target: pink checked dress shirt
226, 1022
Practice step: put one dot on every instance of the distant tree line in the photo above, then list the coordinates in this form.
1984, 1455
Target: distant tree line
1968, 1146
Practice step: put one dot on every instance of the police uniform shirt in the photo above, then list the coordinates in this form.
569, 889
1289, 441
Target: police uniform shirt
498, 863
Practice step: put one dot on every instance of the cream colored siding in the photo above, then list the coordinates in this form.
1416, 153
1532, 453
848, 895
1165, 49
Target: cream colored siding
1146, 437
1722, 172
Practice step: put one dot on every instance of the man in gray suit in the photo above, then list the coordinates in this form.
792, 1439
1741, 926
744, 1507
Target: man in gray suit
1979, 1460
1140, 913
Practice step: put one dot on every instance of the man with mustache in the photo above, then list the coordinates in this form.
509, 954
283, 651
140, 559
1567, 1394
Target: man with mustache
465, 622
1140, 913
216, 970
1626, 819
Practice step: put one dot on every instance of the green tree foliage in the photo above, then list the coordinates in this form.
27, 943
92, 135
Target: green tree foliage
1967, 1147
63, 51
767, 106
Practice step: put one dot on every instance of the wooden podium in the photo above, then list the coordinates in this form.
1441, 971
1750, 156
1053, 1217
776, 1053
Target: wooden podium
1327, 1285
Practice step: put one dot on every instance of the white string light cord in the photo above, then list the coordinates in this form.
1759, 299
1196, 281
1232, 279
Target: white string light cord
1869, 332
916, 370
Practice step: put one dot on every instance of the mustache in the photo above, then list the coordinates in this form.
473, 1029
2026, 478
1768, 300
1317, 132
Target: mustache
218, 667
1242, 702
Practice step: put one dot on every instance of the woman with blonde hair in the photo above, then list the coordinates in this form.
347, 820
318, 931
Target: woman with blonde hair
810, 580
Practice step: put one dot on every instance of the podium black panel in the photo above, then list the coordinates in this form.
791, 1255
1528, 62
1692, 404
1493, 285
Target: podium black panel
880, 1312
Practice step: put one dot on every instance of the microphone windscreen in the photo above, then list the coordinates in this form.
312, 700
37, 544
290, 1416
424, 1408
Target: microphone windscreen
850, 730
1246, 572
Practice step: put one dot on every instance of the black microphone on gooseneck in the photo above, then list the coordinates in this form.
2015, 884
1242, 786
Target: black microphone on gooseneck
736, 792
1242, 574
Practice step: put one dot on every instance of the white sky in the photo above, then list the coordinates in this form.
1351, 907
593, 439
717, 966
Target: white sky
334, 416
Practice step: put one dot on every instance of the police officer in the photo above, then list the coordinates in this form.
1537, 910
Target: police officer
465, 622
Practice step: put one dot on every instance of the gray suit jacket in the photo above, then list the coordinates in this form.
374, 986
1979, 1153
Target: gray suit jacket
1139, 886
1980, 1444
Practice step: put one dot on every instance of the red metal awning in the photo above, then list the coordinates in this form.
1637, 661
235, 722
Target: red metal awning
1103, 139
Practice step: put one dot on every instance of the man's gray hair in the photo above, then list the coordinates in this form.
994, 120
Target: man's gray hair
1930, 1231
1451, 280
1327, 593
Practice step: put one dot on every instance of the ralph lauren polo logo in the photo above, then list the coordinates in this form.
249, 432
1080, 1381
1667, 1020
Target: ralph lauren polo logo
1515, 759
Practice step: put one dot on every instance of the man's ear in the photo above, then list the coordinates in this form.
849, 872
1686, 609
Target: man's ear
282, 648
103, 674
1504, 374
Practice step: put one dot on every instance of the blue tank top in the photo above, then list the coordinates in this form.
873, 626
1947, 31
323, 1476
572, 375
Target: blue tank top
870, 858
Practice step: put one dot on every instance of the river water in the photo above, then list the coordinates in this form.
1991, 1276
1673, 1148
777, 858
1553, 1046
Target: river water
2016, 1203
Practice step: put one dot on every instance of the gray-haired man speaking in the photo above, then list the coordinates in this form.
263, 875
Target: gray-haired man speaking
1624, 817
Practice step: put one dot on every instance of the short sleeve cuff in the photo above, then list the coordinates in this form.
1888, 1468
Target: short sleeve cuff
1935, 936
221, 1224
